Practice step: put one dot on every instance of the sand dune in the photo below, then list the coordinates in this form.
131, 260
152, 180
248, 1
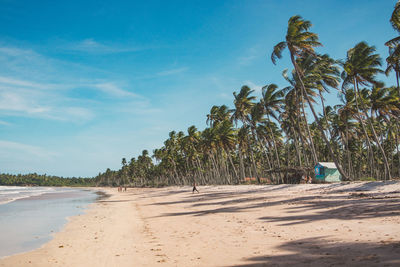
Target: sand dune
306, 225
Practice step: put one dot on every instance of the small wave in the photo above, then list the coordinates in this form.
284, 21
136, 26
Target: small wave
11, 193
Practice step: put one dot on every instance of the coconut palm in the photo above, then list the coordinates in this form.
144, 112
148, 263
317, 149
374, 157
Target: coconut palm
218, 114
395, 21
360, 69
393, 64
300, 43
243, 103
272, 99
296, 93
393, 59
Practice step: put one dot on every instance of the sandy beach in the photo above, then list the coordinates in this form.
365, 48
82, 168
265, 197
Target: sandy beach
354, 224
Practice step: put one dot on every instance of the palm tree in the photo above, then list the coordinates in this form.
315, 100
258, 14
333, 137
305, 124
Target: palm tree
394, 46
300, 43
393, 64
346, 112
272, 99
226, 137
218, 114
243, 103
395, 21
360, 69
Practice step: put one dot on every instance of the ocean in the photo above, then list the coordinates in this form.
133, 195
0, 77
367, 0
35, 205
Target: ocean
29, 216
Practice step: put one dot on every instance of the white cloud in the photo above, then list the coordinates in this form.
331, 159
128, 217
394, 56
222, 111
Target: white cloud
37, 86
16, 102
91, 46
37, 103
251, 54
4, 123
172, 71
257, 88
114, 90
8, 147
11, 81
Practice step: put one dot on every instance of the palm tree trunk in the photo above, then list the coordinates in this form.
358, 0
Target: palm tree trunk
275, 149
241, 165
295, 142
313, 152
397, 78
233, 165
348, 150
304, 142
252, 155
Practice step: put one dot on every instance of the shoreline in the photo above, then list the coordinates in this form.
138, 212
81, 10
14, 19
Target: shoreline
47, 214
307, 225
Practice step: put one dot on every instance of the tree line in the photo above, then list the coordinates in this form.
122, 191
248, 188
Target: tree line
34, 179
273, 138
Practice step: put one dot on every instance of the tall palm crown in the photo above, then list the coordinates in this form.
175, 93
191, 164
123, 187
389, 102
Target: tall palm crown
272, 99
218, 114
393, 60
395, 21
299, 40
393, 64
322, 71
382, 101
243, 103
395, 18
361, 65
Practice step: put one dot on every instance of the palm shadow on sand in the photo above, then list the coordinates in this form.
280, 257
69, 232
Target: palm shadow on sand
324, 252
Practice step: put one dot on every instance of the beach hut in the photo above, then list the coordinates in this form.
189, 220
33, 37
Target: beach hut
327, 172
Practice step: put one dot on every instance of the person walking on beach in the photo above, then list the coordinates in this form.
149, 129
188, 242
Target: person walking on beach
194, 188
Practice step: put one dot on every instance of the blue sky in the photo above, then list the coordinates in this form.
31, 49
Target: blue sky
85, 83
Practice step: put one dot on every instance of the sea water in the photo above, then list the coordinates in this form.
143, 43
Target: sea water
30, 215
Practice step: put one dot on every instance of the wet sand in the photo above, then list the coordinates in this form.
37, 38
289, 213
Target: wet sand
304, 225
28, 223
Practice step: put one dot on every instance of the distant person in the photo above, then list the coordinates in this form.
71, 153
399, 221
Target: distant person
194, 188
125, 189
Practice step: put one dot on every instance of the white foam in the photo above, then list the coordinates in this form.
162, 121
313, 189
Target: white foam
12, 193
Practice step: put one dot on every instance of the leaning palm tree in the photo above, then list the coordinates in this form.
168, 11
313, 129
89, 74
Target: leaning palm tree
272, 99
395, 21
218, 114
243, 103
395, 18
360, 69
300, 43
394, 45
393, 64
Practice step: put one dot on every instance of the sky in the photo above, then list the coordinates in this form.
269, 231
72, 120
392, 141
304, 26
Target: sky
85, 83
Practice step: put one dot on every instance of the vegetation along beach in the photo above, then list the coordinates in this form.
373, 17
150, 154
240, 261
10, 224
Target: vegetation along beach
180, 133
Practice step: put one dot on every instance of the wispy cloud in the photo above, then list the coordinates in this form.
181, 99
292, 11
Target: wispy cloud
114, 90
250, 55
20, 148
37, 86
16, 102
172, 71
92, 46
256, 87
23, 83
33, 104
4, 123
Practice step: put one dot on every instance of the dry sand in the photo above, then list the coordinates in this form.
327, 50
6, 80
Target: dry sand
304, 225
